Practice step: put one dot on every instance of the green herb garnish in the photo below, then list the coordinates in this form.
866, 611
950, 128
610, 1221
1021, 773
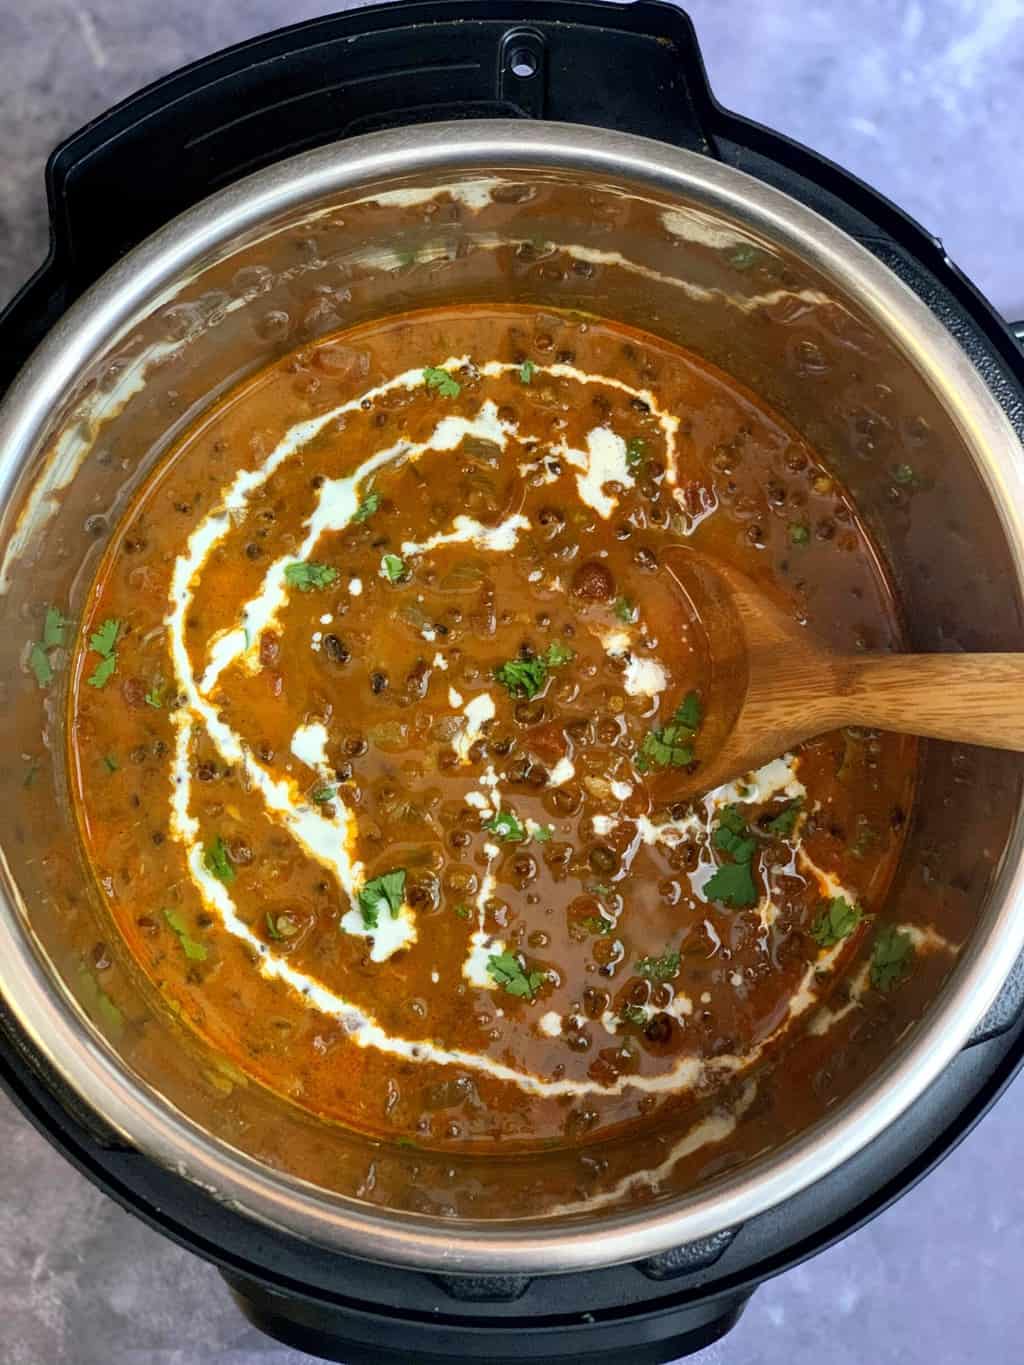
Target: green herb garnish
463, 911
558, 654
509, 972
385, 892
636, 449
526, 677
103, 641
891, 958
506, 826
155, 696
732, 884
39, 662
597, 924
785, 822
103, 671
625, 611
195, 952
661, 968
53, 628
838, 920
671, 746
321, 795
633, 1014
368, 504
442, 381
393, 567
542, 833
798, 533
308, 576
217, 862
110, 763
54, 625
526, 372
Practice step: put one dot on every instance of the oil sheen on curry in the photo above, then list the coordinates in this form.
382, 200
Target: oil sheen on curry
376, 711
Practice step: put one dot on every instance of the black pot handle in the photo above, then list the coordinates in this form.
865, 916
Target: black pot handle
634, 67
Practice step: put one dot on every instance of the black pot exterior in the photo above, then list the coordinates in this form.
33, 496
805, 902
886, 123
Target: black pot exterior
636, 68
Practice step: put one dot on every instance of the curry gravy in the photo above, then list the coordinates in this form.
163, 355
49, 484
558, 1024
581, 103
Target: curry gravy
372, 688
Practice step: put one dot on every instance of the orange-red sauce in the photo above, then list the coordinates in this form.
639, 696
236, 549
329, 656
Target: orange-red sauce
588, 893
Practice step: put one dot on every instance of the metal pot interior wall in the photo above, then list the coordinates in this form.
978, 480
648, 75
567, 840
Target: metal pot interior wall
554, 239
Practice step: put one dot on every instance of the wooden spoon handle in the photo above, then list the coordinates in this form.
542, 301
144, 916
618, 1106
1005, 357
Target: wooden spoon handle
972, 698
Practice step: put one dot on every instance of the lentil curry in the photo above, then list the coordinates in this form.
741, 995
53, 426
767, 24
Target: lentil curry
373, 722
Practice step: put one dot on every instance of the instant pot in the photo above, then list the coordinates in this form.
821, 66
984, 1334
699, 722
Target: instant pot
392, 158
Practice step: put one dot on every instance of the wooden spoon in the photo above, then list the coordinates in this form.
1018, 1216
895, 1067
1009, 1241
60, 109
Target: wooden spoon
773, 684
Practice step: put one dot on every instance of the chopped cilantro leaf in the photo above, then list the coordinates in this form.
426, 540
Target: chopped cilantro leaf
508, 972
558, 654
526, 677
103, 642
385, 892
597, 924
798, 533
671, 746
217, 862
39, 662
506, 826
442, 381
368, 504
53, 628
636, 449
838, 919
599, 889
903, 473
526, 372
625, 611
633, 1014
732, 885
542, 833
104, 639
661, 968
785, 822
463, 911
155, 696
307, 575
110, 763
393, 567
741, 848
321, 795
522, 677
103, 671
195, 952
891, 957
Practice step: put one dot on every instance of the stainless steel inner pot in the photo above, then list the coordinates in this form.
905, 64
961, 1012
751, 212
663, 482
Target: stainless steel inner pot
557, 216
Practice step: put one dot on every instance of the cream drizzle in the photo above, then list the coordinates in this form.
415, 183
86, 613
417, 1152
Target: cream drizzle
330, 838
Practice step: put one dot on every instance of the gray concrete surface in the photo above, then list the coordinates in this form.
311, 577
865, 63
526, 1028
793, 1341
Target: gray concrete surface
923, 98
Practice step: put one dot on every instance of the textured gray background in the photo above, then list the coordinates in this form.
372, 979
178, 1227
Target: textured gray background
922, 98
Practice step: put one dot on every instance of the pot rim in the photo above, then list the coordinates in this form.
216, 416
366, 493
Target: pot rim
76, 1051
